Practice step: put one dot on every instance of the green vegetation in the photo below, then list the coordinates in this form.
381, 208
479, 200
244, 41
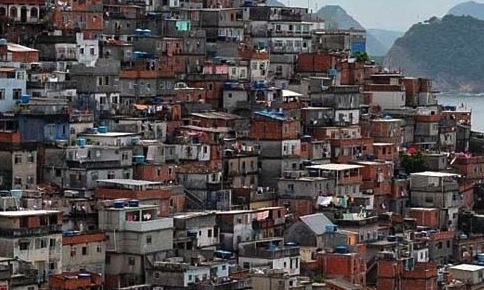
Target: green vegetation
414, 163
361, 56
448, 50
319, 279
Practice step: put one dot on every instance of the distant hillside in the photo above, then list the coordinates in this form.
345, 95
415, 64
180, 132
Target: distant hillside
337, 18
470, 8
385, 37
449, 50
274, 3
378, 42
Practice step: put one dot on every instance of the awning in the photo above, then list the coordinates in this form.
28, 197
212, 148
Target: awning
140, 107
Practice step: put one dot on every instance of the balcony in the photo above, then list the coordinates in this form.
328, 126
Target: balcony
206, 77
81, 118
22, 232
89, 164
446, 186
271, 253
146, 226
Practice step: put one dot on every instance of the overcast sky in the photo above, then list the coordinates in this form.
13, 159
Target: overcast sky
386, 14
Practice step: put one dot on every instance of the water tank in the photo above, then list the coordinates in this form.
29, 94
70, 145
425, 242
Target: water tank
137, 54
25, 99
83, 275
480, 259
133, 203
16, 193
138, 159
135, 141
391, 238
81, 142
331, 228
68, 233
147, 32
223, 254
3, 42
103, 129
332, 72
341, 250
118, 204
139, 32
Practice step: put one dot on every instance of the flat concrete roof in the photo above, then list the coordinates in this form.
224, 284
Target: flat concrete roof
467, 267
130, 182
110, 134
19, 213
435, 174
334, 166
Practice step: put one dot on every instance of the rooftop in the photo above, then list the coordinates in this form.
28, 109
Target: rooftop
467, 267
20, 213
133, 182
216, 115
109, 134
434, 174
334, 166
289, 93
272, 115
14, 47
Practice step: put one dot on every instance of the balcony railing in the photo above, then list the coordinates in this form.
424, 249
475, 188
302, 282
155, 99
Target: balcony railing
146, 226
21, 232
271, 253
93, 164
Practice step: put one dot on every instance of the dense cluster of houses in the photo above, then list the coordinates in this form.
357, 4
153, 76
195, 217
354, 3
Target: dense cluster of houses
228, 145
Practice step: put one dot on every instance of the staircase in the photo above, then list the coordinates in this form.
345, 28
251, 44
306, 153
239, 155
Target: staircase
193, 201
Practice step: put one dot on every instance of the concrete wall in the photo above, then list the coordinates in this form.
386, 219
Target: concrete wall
7, 85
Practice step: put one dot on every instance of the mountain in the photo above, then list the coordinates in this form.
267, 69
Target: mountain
448, 50
374, 46
274, 3
385, 37
337, 18
378, 42
470, 8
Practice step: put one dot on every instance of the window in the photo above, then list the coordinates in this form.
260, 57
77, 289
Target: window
18, 158
24, 246
81, 51
209, 233
93, 51
429, 199
99, 81
190, 277
40, 243
148, 240
131, 261
84, 251
73, 251
13, 12
52, 266
17, 180
52, 243
124, 156
17, 94
111, 175
2, 94
31, 158
99, 248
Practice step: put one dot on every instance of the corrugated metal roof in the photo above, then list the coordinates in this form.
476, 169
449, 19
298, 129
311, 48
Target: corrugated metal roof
316, 222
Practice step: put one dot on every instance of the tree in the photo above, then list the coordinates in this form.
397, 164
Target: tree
361, 56
414, 163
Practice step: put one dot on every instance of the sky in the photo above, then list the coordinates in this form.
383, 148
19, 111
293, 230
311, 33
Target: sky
385, 14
